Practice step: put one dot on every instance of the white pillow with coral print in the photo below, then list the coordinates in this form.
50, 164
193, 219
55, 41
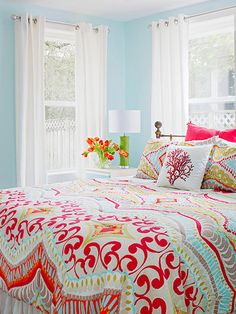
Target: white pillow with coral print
184, 167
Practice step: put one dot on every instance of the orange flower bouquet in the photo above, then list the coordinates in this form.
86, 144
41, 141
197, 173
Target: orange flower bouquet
105, 150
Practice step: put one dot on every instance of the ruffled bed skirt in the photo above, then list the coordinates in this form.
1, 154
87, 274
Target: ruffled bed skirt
9, 305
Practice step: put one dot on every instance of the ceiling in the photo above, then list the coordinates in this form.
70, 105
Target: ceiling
121, 10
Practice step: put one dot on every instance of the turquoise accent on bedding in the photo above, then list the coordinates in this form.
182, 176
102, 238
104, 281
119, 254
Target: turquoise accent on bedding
97, 246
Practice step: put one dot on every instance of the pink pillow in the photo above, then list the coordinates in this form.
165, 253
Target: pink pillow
195, 132
228, 135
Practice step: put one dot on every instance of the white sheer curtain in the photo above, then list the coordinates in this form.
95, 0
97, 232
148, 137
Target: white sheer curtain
30, 130
91, 85
170, 74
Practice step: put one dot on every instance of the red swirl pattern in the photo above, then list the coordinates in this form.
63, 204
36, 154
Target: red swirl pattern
78, 243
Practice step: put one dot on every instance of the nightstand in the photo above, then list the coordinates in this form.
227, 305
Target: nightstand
112, 172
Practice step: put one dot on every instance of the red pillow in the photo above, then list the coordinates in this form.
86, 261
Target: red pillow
228, 135
195, 132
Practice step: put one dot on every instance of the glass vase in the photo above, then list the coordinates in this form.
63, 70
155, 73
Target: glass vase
103, 162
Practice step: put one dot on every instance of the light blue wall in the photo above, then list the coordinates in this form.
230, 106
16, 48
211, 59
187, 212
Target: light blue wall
138, 67
129, 72
116, 75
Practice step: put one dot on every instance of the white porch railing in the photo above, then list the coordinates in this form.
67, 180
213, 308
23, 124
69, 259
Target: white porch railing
221, 119
60, 139
60, 136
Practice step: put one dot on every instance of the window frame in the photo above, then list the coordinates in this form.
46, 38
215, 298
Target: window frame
214, 98
63, 33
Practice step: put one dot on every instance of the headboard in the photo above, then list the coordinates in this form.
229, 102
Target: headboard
158, 133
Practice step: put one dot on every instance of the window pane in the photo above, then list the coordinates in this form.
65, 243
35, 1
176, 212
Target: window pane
200, 73
60, 134
212, 72
60, 104
226, 79
220, 116
59, 113
59, 71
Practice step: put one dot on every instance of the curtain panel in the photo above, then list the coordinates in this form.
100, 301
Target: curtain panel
91, 86
91, 95
30, 128
169, 103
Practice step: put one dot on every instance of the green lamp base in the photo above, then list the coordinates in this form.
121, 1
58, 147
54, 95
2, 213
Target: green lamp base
124, 145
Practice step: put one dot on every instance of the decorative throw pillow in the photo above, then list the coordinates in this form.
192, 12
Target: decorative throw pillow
221, 172
195, 132
212, 140
152, 159
184, 167
154, 155
228, 135
220, 142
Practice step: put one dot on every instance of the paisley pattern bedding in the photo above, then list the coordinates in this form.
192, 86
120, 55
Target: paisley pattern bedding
118, 247
221, 170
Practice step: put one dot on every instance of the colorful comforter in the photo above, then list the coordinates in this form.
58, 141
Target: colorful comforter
118, 247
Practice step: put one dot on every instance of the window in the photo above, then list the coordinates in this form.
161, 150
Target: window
60, 110
212, 72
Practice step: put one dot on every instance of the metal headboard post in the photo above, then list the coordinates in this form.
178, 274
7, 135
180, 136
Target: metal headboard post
158, 133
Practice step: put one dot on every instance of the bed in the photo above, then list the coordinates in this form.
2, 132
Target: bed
117, 246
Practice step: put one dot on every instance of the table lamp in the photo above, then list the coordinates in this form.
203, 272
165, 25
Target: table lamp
124, 121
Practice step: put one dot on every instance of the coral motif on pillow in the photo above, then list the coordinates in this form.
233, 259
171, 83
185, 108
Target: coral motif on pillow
154, 155
221, 171
152, 159
184, 167
179, 165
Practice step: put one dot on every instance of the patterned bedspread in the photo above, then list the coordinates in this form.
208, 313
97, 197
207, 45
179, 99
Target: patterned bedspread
118, 247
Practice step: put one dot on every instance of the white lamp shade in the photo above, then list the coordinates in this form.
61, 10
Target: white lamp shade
124, 121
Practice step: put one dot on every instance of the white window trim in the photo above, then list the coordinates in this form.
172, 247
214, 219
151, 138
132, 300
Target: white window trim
62, 176
56, 103
59, 32
62, 33
213, 99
